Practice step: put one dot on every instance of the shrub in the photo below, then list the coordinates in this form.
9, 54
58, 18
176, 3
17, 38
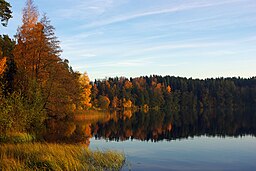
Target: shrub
18, 114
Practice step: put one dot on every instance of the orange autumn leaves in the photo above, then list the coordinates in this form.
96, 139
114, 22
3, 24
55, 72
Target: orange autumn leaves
41, 74
86, 90
2, 65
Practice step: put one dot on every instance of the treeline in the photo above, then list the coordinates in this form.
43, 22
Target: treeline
174, 92
35, 82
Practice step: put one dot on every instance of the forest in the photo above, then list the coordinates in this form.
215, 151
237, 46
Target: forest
36, 83
161, 92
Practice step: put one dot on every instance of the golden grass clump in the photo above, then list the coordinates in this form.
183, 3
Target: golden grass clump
40, 156
17, 137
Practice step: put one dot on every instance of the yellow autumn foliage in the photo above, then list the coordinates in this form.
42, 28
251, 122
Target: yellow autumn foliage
86, 90
128, 84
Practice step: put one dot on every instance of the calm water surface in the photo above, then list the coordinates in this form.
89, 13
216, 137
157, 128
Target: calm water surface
161, 140
198, 153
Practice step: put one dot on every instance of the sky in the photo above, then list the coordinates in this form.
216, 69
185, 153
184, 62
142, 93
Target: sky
132, 38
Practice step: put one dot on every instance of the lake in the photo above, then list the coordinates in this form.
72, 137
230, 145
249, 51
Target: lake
198, 153
164, 140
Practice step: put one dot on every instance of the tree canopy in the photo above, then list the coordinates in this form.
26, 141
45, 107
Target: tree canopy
176, 92
35, 82
5, 12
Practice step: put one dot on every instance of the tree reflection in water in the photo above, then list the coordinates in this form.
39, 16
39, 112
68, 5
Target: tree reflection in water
153, 126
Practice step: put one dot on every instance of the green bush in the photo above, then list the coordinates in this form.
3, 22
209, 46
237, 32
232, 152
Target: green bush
18, 114
17, 137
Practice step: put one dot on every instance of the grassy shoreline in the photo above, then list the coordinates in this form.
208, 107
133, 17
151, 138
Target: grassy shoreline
45, 156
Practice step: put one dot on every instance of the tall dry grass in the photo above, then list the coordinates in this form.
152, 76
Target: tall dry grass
39, 156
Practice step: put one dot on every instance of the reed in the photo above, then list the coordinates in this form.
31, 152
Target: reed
44, 156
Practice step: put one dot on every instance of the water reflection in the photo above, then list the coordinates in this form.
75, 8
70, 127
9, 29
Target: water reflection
151, 126
67, 131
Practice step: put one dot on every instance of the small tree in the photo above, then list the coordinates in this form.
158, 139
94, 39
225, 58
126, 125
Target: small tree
86, 90
104, 102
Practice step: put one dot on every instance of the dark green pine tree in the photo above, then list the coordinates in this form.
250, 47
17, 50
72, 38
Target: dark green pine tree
5, 12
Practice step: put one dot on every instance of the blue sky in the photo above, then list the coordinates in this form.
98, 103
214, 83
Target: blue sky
190, 38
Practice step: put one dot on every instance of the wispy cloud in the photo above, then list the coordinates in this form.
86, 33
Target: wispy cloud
81, 9
170, 9
124, 63
115, 56
134, 37
174, 46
